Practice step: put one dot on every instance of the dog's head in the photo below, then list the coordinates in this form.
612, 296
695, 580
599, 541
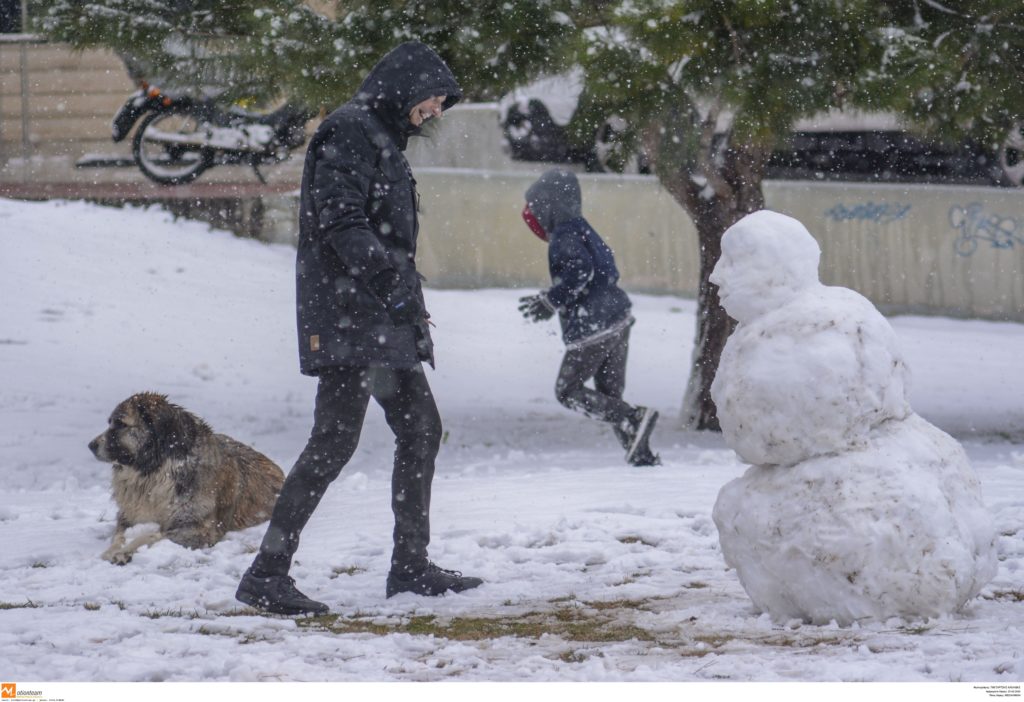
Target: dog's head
145, 431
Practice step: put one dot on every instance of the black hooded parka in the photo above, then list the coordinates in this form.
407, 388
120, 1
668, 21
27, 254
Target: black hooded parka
358, 218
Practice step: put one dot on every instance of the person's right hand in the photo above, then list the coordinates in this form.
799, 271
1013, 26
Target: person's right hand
536, 308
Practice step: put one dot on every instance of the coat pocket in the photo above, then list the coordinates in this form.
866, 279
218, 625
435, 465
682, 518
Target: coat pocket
356, 306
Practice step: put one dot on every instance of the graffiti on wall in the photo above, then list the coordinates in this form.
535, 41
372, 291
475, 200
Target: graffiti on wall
877, 212
975, 224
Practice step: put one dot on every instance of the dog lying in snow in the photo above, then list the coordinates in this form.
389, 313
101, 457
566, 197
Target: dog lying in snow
172, 469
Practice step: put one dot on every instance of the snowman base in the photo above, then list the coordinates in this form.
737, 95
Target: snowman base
896, 529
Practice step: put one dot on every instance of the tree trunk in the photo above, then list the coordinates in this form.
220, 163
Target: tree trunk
713, 325
732, 191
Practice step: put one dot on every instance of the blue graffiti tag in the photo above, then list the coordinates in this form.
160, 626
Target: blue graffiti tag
878, 212
977, 225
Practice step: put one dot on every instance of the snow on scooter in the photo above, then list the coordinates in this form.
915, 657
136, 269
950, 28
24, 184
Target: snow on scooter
179, 136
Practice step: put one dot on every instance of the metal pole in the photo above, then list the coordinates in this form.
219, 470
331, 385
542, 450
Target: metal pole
3, 144
26, 145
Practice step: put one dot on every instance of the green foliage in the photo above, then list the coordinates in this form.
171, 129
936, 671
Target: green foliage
758, 65
959, 67
268, 49
950, 65
255, 50
490, 46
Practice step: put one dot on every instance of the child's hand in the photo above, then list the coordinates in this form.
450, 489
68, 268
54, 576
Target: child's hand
536, 308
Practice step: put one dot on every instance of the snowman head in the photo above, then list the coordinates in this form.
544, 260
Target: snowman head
767, 260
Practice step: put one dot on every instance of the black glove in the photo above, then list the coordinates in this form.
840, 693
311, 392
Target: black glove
536, 308
399, 301
424, 346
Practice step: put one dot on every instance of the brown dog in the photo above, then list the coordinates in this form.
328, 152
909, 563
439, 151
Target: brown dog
171, 469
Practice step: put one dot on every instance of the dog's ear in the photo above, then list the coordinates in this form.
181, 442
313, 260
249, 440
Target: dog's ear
171, 433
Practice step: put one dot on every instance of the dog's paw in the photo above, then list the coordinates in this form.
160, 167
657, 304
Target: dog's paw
117, 557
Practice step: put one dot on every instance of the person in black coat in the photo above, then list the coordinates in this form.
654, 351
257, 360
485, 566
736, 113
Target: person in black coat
593, 310
362, 323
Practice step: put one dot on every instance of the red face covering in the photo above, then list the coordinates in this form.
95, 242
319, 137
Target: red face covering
533, 224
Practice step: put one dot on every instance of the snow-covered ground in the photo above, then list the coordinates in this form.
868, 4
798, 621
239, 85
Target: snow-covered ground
595, 571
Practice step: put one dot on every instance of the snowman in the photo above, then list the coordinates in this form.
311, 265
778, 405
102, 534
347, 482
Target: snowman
854, 508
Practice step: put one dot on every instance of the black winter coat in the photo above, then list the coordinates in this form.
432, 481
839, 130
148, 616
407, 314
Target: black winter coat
358, 217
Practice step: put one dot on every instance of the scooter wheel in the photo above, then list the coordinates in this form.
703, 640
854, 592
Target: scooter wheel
168, 147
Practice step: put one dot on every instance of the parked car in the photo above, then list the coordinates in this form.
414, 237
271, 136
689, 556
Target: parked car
550, 120
1011, 156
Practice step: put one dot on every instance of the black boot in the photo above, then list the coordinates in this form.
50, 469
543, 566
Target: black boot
645, 457
638, 428
430, 581
276, 594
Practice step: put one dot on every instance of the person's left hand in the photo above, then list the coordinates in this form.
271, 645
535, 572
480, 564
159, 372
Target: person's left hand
424, 345
536, 308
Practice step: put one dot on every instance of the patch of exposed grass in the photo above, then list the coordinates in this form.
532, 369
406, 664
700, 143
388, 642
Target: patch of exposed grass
350, 570
915, 629
1007, 595
27, 604
575, 623
249, 638
176, 613
567, 623
573, 656
712, 641
633, 577
618, 604
635, 540
798, 639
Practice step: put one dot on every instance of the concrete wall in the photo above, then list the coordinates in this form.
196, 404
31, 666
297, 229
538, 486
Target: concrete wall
933, 249
925, 249
472, 234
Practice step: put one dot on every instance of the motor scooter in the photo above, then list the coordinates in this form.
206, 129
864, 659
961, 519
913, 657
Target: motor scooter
179, 136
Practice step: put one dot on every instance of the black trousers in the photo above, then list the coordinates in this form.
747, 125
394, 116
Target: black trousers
605, 363
341, 401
